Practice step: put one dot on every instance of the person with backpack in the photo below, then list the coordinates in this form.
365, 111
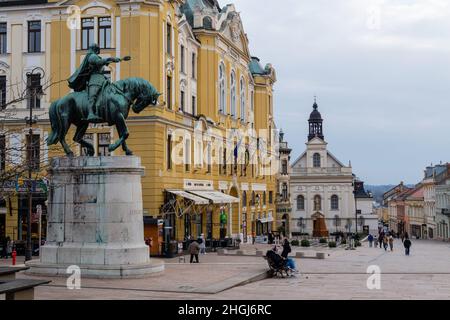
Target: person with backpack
407, 245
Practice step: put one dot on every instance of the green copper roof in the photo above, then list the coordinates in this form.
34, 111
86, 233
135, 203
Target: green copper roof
256, 68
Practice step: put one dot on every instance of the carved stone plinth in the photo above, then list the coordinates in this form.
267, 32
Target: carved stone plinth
95, 219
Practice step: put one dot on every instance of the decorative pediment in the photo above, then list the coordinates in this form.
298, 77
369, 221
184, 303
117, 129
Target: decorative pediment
4, 65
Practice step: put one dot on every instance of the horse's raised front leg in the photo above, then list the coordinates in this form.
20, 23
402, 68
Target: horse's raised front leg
79, 134
123, 133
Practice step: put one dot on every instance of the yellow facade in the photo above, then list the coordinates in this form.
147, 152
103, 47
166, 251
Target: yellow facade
139, 29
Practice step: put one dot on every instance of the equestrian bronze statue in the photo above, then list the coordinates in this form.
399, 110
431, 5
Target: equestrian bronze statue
96, 100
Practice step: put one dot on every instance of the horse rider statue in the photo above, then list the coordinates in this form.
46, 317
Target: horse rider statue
91, 75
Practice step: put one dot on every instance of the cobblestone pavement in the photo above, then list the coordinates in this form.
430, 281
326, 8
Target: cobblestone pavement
342, 275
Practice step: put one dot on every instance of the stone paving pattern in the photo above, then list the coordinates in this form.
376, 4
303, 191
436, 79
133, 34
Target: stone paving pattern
342, 275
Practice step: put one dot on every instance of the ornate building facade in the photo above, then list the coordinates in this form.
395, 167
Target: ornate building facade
283, 199
321, 187
207, 147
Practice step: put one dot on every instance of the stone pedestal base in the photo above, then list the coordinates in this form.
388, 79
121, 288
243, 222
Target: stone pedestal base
95, 219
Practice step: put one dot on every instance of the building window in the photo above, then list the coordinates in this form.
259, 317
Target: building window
34, 36
2, 92
244, 199
253, 203
2, 153
194, 105
104, 32
88, 137
34, 91
182, 59
169, 92
33, 151
233, 95
222, 81
300, 202
225, 161
182, 107
264, 198
187, 155
169, 38
104, 140
270, 197
316, 160
209, 159
87, 32
169, 151
284, 167
284, 192
194, 66
3, 37
317, 203
242, 100
334, 202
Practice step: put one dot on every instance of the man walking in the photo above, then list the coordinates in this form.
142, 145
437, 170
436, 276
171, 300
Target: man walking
407, 244
194, 249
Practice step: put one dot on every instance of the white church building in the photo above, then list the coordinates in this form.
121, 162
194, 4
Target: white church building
322, 188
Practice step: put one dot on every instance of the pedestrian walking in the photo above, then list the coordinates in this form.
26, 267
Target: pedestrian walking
407, 245
9, 247
253, 237
391, 242
375, 239
194, 249
202, 244
370, 238
381, 239
385, 243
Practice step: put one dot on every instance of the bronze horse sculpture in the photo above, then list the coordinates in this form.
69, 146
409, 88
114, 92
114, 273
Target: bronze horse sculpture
113, 107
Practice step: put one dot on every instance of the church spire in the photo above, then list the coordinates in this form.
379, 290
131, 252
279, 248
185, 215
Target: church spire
315, 123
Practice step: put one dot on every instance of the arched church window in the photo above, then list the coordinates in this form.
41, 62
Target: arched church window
300, 202
334, 202
316, 160
317, 203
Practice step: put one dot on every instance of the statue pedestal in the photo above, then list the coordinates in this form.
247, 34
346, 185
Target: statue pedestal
95, 219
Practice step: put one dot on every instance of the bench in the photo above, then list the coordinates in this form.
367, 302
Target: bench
9, 273
20, 289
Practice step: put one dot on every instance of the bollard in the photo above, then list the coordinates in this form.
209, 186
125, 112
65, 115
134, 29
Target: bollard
14, 255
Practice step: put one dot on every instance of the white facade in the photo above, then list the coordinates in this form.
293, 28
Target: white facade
321, 182
443, 210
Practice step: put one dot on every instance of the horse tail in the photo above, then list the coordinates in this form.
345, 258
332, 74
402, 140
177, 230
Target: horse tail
53, 137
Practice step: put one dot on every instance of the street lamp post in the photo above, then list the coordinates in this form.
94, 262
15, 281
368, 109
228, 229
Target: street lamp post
35, 93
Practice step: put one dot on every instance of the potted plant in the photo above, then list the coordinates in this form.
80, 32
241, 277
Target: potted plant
295, 242
332, 244
323, 240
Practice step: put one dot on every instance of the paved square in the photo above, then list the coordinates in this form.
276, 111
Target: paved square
342, 275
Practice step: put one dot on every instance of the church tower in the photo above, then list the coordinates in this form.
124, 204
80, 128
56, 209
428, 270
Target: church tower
315, 123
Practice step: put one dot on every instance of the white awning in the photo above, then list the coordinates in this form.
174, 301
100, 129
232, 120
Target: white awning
216, 196
187, 195
266, 220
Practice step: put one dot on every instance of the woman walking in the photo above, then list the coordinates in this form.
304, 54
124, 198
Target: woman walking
391, 242
385, 243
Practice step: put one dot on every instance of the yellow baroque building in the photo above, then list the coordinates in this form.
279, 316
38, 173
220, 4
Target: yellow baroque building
207, 147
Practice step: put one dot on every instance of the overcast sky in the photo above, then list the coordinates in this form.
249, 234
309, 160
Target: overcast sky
380, 69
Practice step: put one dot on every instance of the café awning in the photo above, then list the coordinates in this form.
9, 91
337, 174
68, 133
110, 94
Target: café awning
216, 196
190, 196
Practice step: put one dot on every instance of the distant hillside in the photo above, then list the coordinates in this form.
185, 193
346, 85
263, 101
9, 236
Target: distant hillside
378, 190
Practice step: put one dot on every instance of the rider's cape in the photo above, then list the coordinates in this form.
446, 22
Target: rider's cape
78, 80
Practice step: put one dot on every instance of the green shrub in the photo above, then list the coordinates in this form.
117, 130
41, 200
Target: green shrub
295, 242
332, 244
344, 241
323, 240
305, 243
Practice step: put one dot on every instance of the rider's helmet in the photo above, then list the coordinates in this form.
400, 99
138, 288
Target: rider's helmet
94, 47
